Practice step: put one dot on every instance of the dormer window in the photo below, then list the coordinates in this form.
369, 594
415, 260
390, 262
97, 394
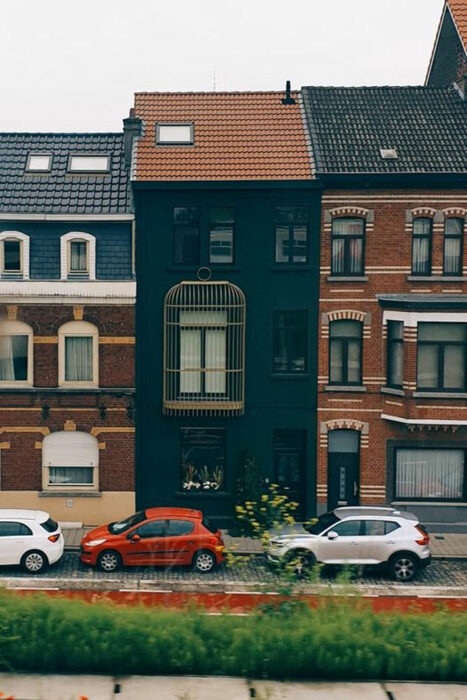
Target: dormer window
89, 164
39, 163
78, 257
174, 134
14, 255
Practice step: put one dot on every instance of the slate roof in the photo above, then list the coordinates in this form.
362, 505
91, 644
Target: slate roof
59, 192
349, 125
459, 14
238, 136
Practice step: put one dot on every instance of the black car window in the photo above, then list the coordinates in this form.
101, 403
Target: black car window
348, 528
180, 527
390, 527
210, 525
155, 528
323, 522
379, 528
50, 525
12, 529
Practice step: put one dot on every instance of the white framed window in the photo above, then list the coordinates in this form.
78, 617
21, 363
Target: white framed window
16, 366
14, 255
78, 256
70, 460
89, 163
78, 354
174, 134
39, 163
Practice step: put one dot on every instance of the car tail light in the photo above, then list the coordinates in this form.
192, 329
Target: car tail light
425, 537
54, 538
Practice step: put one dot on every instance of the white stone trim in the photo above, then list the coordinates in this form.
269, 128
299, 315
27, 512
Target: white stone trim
413, 318
65, 240
19, 328
67, 292
66, 217
72, 329
24, 238
422, 421
64, 453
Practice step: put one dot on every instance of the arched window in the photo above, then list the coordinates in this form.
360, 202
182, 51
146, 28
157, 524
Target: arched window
345, 352
16, 366
70, 459
204, 349
14, 255
78, 360
78, 256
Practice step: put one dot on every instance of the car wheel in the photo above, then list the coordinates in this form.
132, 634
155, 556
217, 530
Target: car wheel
109, 561
34, 562
403, 567
204, 561
300, 562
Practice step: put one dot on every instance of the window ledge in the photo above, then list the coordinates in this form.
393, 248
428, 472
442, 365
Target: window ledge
203, 494
70, 494
285, 375
347, 278
291, 268
440, 394
344, 387
392, 391
436, 278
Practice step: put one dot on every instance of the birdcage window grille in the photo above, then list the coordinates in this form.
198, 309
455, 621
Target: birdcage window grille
204, 349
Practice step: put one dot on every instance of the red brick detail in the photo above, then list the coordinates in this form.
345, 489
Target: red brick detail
346, 314
349, 211
345, 424
423, 211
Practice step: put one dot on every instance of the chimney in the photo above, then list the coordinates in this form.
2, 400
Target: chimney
287, 100
131, 130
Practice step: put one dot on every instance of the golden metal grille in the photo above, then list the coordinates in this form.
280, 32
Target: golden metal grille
204, 349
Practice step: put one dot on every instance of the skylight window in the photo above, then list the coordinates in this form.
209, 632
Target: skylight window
39, 162
89, 164
174, 134
388, 153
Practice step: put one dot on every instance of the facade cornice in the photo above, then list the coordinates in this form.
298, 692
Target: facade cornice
65, 292
20, 216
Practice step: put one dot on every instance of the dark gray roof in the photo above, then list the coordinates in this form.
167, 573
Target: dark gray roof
58, 191
349, 126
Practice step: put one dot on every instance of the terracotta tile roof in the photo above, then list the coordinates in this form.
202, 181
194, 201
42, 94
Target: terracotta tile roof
238, 136
459, 12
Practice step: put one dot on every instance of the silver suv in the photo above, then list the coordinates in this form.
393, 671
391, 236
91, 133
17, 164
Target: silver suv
359, 535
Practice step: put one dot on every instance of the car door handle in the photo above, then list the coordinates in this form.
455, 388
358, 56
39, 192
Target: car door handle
391, 542
354, 543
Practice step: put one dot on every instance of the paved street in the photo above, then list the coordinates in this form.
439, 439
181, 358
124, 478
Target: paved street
441, 573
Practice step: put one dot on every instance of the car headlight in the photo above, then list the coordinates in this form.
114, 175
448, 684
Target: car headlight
94, 543
277, 543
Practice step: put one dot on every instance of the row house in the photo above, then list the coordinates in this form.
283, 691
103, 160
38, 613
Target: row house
67, 294
448, 63
227, 216
392, 398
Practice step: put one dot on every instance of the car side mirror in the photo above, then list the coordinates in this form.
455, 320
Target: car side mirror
332, 535
135, 538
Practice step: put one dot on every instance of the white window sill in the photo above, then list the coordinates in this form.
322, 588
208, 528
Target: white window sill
16, 385
71, 492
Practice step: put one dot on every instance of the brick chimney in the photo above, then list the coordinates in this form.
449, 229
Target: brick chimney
131, 131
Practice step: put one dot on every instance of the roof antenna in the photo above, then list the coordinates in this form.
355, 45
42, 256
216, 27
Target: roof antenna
288, 100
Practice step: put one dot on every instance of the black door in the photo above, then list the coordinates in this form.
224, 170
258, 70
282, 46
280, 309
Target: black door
343, 468
290, 467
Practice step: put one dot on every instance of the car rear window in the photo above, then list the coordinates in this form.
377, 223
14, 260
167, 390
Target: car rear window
50, 525
179, 527
12, 529
210, 526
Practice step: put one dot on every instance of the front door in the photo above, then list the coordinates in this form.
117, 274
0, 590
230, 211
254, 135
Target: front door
343, 468
290, 467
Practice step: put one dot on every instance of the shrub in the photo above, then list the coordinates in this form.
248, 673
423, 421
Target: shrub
338, 640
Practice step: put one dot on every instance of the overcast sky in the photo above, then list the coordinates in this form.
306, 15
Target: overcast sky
72, 65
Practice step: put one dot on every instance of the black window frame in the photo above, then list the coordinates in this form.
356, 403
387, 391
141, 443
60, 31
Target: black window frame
456, 236
345, 340
177, 225
441, 344
390, 344
223, 434
290, 328
291, 225
347, 272
425, 236
211, 224
19, 269
280, 438
425, 499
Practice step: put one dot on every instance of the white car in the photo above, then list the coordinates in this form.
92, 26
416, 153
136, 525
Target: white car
29, 538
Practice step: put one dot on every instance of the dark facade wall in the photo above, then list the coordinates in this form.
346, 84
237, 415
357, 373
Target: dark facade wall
113, 246
271, 402
449, 62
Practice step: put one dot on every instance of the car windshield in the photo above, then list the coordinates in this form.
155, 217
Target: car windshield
124, 525
324, 521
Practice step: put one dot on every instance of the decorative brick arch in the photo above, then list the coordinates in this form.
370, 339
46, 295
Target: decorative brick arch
455, 212
349, 211
347, 314
346, 424
428, 212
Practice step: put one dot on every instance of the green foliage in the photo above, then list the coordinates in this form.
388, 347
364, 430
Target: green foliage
338, 640
249, 487
272, 509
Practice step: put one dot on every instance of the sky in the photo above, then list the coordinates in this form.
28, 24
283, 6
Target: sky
73, 65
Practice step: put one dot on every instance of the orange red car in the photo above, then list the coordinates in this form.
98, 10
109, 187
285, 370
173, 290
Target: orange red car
155, 536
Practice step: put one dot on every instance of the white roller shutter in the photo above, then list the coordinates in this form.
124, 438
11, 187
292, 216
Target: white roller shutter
70, 449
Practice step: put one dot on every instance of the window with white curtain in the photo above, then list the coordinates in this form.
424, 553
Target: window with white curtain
15, 353
442, 357
437, 474
70, 459
78, 354
14, 255
203, 352
453, 246
78, 257
347, 246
